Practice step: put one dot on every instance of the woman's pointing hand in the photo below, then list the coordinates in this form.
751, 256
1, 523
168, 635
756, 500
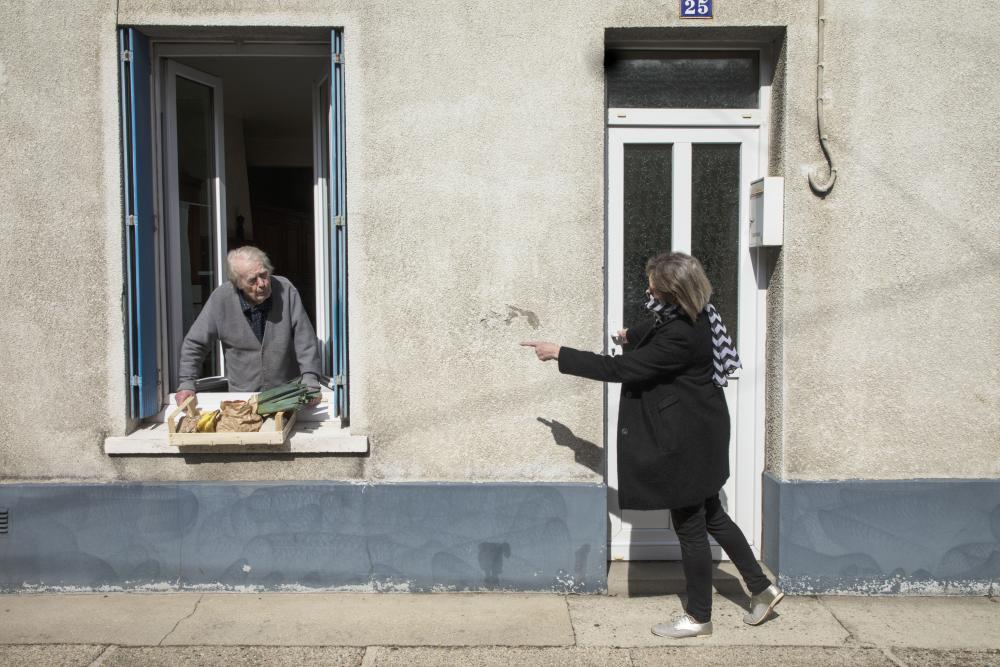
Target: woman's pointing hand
544, 350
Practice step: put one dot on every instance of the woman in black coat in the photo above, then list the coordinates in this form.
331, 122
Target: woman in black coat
673, 430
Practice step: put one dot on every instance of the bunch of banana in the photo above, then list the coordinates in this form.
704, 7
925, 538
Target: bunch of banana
206, 422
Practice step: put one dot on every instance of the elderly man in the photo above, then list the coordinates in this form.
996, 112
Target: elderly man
265, 332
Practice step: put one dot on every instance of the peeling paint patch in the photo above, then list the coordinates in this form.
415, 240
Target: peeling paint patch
159, 587
565, 584
495, 317
806, 585
568, 583
515, 312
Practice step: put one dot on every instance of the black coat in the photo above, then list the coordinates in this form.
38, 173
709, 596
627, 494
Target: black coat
673, 423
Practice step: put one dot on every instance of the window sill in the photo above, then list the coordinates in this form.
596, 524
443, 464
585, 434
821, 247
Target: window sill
314, 433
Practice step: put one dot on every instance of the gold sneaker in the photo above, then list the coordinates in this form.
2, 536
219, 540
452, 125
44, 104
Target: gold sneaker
762, 604
685, 626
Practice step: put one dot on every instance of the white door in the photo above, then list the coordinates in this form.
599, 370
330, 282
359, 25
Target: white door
686, 189
194, 202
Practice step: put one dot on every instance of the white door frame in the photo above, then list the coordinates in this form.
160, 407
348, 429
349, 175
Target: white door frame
170, 196
644, 536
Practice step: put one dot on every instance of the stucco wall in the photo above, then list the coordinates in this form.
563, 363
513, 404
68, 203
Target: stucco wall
476, 209
63, 362
891, 283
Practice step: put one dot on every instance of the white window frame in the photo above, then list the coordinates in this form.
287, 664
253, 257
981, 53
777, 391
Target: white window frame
172, 327
321, 233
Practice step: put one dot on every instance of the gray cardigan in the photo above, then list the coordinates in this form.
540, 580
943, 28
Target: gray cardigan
289, 349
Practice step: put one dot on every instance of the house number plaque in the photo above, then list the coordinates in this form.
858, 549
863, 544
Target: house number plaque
696, 9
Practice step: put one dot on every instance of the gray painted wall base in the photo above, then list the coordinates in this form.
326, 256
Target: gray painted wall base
309, 535
915, 537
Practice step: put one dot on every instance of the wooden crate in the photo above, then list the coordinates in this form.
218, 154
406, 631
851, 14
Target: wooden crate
276, 430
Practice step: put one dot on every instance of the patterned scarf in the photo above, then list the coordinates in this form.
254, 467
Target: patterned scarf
725, 359
662, 312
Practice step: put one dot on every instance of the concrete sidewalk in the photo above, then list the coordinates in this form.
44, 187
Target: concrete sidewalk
484, 629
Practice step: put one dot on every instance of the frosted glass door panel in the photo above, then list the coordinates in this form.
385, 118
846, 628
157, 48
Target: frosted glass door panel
715, 220
683, 79
647, 218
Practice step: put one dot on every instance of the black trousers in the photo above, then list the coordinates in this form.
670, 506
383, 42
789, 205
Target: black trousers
693, 525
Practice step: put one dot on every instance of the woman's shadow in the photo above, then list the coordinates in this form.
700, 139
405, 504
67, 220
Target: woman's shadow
639, 584
585, 452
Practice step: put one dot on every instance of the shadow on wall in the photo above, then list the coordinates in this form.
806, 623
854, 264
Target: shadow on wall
585, 452
307, 535
891, 537
491, 555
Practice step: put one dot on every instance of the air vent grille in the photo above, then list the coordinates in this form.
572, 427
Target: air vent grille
4, 520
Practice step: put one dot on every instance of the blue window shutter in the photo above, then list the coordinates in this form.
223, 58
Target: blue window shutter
137, 163
338, 213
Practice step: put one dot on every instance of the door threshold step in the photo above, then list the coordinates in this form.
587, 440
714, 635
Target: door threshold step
666, 577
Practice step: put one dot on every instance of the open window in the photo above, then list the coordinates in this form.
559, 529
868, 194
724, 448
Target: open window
230, 141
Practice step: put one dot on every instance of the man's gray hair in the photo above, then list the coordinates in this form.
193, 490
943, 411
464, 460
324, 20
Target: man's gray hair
246, 253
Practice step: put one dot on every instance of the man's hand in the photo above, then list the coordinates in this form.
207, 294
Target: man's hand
314, 402
182, 396
544, 350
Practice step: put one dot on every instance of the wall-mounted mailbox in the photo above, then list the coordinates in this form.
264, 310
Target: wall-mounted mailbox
767, 211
